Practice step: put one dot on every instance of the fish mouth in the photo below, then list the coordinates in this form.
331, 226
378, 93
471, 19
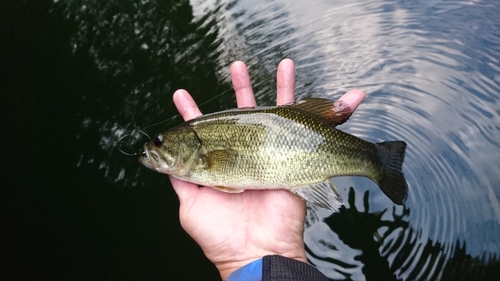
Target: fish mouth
146, 159
151, 159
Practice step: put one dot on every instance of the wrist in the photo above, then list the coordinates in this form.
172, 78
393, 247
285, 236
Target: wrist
248, 272
227, 268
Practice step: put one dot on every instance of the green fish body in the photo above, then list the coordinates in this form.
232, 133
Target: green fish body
294, 147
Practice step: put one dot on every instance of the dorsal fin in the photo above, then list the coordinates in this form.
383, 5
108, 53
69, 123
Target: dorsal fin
334, 112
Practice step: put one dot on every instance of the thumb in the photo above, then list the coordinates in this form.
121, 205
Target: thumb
186, 191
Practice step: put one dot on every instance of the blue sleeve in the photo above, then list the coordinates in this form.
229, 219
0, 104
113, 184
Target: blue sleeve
249, 272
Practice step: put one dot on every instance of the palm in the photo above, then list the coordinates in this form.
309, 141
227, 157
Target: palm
245, 226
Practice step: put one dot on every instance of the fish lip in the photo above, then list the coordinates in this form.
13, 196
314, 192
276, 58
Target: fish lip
146, 159
146, 151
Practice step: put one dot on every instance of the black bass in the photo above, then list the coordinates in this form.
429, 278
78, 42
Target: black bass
294, 147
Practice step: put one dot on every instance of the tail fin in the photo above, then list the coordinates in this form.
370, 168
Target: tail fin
393, 183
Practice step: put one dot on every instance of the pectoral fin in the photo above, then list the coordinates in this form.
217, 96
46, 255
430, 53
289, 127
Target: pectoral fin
324, 195
217, 159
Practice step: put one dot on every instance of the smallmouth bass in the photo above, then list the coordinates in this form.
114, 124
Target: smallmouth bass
294, 147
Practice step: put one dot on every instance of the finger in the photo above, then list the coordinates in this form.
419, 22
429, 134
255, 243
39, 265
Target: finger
352, 99
186, 105
285, 82
242, 85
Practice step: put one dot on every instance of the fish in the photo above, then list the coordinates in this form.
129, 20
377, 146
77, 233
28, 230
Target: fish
296, 147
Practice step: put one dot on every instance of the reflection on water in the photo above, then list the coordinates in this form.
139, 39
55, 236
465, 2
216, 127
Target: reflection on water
387, 249
360, 233
430, 70
137, 54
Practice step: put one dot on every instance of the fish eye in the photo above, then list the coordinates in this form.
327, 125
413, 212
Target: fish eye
158, 141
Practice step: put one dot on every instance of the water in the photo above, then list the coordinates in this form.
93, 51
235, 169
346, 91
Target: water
82, 74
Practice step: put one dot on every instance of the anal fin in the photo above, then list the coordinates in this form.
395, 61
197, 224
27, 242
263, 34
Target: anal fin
324, 195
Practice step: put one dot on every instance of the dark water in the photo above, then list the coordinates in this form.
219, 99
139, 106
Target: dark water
78, 75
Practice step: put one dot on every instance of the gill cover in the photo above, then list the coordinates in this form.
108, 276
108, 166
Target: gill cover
172, 152
189, 145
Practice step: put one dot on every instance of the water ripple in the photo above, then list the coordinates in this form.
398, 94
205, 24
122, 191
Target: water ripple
432, 77
431, 72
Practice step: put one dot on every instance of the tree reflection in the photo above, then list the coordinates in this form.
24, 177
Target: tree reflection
123, 61
397, 253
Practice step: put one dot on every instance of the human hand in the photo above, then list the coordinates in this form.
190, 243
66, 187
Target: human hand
236, 229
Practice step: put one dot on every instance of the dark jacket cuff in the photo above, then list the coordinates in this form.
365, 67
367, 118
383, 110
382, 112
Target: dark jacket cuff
278, 268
